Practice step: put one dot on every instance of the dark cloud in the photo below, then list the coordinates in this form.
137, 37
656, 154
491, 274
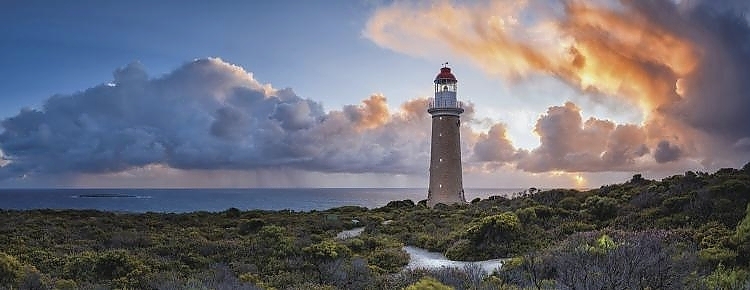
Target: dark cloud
666, 152
717, 95
209, 114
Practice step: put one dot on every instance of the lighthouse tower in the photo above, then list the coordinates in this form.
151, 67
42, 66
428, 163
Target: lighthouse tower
446, 185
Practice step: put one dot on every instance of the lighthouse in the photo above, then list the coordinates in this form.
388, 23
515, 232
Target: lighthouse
446, 177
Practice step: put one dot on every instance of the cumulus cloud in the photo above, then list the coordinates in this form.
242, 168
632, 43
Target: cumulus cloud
372, 114
570, 144
494, 146
211, 115
683, 64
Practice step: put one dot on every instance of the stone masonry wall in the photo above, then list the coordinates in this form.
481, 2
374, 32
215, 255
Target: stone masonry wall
446, 180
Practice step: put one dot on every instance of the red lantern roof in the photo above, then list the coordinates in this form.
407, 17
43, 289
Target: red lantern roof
445, 74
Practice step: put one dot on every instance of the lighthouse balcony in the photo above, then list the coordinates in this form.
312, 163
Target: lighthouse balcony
439, 106
445, 103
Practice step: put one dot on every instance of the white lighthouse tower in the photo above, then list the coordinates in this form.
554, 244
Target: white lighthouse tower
446, 177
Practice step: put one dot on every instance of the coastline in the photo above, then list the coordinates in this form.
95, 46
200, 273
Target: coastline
217, 200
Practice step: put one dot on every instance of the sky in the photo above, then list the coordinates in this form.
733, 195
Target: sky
558, 93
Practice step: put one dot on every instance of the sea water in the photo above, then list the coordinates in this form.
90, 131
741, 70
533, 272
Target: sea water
216, 200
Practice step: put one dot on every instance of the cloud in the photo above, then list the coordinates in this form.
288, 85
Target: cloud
570, 144
3, 160
371, 114
209, 115
592, 48
494, 146
683, 64
667, 152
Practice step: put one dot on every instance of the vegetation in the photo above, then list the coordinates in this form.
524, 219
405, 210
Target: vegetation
686, 231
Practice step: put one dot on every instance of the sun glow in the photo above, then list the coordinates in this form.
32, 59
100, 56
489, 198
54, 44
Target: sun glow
580, 181
680, 87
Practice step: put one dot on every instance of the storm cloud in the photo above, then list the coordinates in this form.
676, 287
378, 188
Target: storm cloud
209, 114
683, 64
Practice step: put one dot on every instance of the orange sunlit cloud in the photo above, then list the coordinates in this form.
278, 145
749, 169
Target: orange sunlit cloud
649, 54
593, 48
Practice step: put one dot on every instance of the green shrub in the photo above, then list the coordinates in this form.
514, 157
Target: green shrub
326, 250
743, 228
717, 255
109, 265
65, 284
460, 250
494, 236
428, 283
391, 260
526, 215
676, 203
601, 207
274, 241
11, 270
494, 228
355, 244
569, 203
723, 278
567, 228
250, 226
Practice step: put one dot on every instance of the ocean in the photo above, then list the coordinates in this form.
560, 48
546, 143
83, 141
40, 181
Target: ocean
216, 200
